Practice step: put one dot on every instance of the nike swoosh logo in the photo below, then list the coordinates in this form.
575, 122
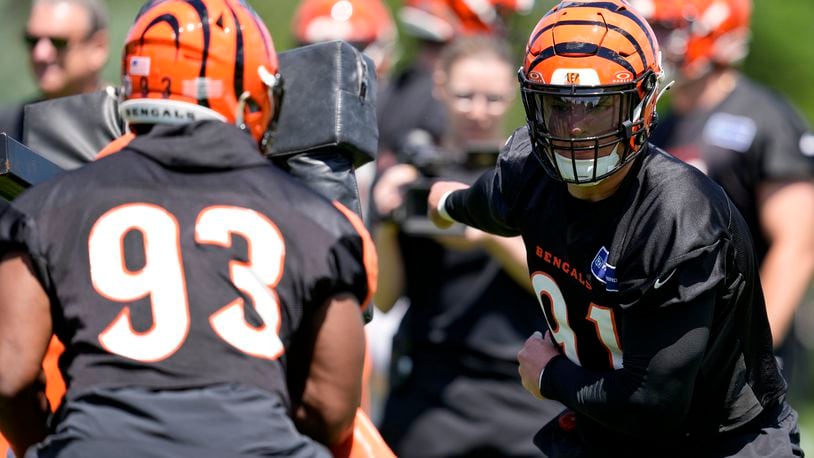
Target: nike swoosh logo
660, 282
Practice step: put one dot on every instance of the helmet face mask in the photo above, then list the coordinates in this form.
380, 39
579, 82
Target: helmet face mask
275, 91
589, 87
584, 134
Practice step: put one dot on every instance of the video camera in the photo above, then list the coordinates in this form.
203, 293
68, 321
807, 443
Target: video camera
434, 163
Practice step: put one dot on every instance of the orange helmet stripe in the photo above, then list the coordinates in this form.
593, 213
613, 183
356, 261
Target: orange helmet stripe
203, 13
588, 49
638, 37
614, 8
239, 57
615, 28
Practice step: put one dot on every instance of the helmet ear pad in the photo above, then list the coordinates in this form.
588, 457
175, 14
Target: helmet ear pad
198, 60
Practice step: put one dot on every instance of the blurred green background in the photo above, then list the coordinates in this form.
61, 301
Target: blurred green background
782, 56
782, 52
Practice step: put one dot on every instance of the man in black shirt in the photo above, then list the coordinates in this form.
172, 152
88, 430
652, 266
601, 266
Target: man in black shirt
657, 335
749, 140
209, 302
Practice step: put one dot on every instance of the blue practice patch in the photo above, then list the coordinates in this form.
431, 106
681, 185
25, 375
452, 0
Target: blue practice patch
605, 272
731, 132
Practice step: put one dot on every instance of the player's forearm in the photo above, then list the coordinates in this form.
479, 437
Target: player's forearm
481, 207
652, 393
620, 400
788, 267
785, 287
391, 266
333, 387
23, 418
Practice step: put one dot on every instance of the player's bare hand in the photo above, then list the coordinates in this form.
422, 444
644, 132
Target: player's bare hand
533, 357
388, 194
438, 189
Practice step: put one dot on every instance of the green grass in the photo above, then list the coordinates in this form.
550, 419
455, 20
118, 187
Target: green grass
807, 427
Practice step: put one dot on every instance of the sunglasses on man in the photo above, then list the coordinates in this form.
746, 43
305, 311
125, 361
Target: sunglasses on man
59, 43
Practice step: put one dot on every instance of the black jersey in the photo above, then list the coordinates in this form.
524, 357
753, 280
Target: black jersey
185, 260
652, 295
751, 137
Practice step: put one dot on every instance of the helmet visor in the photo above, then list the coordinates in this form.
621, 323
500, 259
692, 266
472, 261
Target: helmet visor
577, 116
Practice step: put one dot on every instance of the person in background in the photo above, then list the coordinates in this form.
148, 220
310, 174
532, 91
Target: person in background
407, 103
366, 24
185, 297
455, 390
763, 158
68, 48
658, 340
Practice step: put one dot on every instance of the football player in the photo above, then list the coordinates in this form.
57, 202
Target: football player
209, 302
658, 339
763, 158
366, 24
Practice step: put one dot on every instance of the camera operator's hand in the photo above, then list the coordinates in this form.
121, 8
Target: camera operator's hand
436, 192
388, 194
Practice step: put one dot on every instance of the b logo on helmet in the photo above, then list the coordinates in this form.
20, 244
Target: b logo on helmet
575, 77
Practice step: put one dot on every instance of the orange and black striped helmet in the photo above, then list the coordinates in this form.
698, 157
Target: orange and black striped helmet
189, 60
443, 20
696, 35
589, 84
366, 24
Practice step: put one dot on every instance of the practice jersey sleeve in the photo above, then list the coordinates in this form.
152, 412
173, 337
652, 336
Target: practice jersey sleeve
496, 201
662, 234
337, 255
785, 143
665, 339
18, 232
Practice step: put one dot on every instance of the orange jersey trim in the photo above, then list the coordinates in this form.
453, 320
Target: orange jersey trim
366, 442
116, 145
369, 255
54, 383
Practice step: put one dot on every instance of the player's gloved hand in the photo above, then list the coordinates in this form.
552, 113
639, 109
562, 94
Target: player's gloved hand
440, 190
